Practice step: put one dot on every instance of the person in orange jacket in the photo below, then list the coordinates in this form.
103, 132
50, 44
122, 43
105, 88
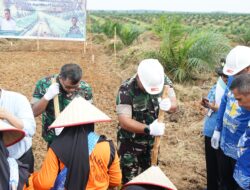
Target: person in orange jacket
90, 160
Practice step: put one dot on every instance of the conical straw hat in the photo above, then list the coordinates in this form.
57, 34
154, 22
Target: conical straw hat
152, 176
11, 135
79, 112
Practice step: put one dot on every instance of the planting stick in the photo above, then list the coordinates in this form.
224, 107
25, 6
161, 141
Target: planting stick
115, 43
84, 47
154, 154
37, 44
56, 101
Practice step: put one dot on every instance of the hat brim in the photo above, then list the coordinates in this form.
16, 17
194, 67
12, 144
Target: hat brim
147, 183
154, 90
78, 124
11, 135
79, 112
229, 72
152, 176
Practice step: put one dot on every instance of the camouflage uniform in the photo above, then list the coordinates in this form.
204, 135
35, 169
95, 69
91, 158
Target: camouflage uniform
135, 149
48, 116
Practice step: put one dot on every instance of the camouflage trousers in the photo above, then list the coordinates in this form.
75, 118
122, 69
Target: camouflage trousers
134, 158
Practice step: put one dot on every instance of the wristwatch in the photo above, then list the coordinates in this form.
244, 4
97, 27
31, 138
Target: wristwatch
147, 130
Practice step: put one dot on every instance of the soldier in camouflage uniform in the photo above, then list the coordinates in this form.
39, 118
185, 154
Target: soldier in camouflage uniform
137, 109
68, 86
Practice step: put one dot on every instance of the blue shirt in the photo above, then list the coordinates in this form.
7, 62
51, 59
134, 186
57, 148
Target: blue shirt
210, 119
242, 167
232, 122
19, 106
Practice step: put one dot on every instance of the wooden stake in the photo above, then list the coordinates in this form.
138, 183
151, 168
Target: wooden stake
57, 109
56, 101
84, 47
91, 42
115, 44
37, 45
154, 154
93, 58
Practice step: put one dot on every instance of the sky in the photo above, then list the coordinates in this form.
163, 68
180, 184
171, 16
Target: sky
239, 6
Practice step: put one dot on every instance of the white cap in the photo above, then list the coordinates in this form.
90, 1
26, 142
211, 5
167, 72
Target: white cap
151, 75
237, 60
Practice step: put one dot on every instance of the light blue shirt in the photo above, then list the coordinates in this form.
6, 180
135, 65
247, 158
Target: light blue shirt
18, 105
210, 119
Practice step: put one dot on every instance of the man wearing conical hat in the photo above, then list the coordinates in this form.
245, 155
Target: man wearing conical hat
67, 86
13, 174
15, 109
83, 159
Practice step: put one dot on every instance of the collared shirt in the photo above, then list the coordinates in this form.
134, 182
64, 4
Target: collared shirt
8, 24
19, 106
242, 166
232, 121
214, 96
210, 119
48, 116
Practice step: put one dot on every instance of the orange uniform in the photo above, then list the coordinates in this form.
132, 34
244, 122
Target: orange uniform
100, 176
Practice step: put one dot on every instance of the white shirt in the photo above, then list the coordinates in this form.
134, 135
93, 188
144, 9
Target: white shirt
18, 105
8, 24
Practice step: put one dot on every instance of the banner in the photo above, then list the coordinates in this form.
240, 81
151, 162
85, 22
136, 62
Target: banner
43, 19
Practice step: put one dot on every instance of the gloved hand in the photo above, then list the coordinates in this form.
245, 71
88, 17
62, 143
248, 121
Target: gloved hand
215, 139
156, 128
52, 91
165, 104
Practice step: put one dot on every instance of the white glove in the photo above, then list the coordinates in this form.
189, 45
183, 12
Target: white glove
165, 104
215, 139
156, 128
52, 91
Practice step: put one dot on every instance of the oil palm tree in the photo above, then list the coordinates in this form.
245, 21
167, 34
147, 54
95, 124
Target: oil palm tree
128, 33
186, 51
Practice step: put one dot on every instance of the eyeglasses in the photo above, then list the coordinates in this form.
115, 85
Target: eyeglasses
66, 84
